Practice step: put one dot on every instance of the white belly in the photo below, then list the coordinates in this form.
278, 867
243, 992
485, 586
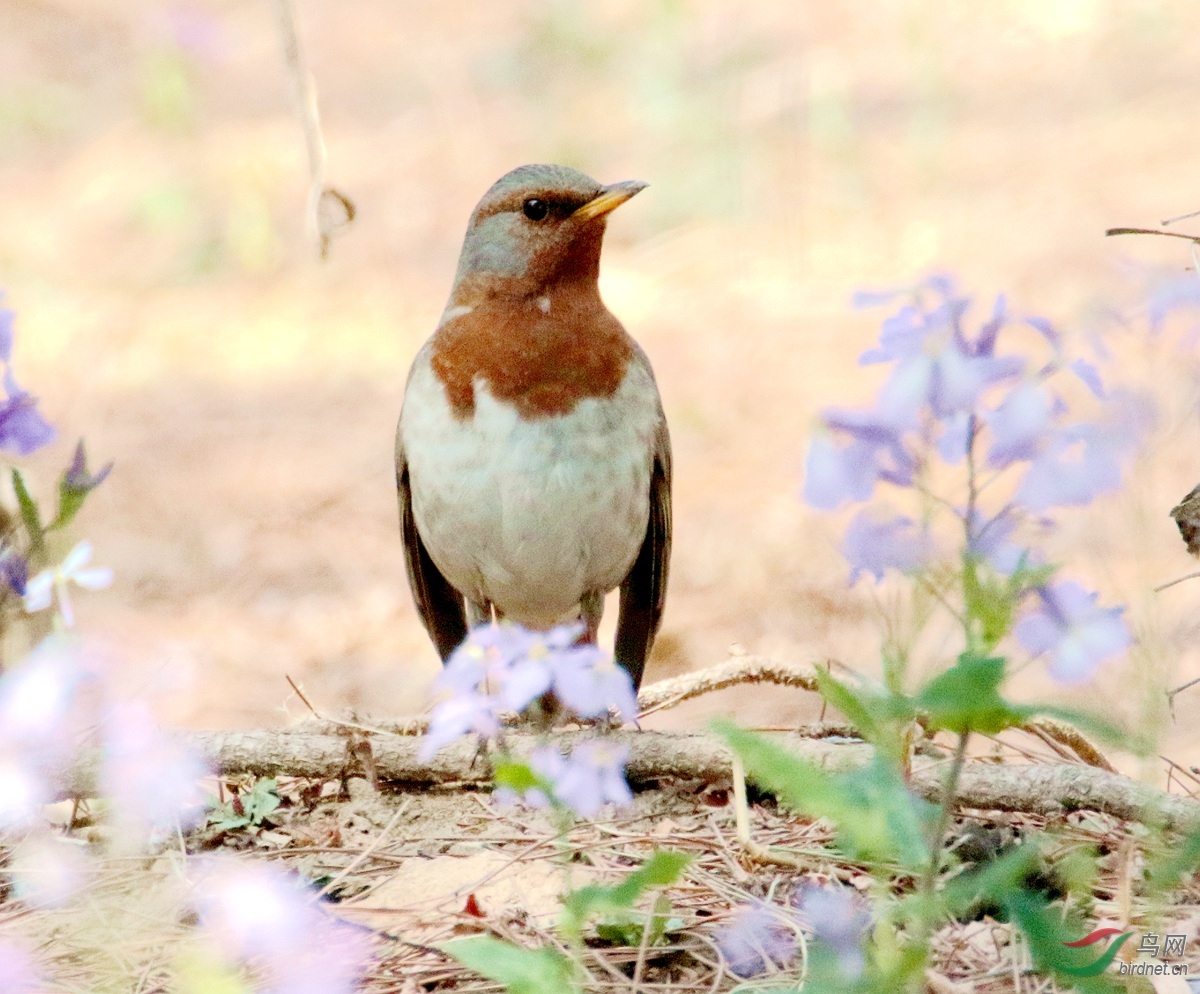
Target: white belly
531, 515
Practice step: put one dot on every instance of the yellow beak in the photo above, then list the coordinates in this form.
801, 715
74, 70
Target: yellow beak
609, 199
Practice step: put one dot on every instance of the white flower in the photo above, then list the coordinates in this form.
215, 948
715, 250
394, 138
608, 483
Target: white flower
42, 589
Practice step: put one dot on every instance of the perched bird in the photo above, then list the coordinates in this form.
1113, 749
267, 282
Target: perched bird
532, 457
1187, 516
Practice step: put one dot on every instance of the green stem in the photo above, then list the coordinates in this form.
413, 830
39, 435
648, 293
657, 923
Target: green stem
968, 623
949, 790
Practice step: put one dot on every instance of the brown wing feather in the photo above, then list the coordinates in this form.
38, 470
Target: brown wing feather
439, 604
644, 591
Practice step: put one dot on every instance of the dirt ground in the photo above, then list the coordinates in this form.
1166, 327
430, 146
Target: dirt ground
171, 309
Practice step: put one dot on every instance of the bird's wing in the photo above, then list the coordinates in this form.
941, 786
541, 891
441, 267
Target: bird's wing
644, 590
438, 603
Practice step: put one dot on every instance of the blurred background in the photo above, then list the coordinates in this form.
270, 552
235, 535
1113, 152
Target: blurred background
172, 310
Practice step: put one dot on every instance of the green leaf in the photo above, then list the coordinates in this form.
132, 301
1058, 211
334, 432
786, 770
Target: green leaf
516, 776
1166, 867
1047, 934
256, 803
989, 600
521, 971
662, 869
260, 800
965, 698
633, 928
199, 972
621, 931
74, 486
69, 503
992, 882
877, 816
29, 512
879, 716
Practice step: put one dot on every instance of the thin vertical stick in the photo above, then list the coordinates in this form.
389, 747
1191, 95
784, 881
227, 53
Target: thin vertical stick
328, 209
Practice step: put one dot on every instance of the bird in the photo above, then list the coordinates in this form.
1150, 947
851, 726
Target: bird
1187, 516
533, 459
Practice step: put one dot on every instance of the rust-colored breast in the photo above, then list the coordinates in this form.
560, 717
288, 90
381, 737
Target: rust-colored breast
543, 363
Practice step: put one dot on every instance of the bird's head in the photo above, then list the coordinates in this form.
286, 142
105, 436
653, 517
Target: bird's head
538, 226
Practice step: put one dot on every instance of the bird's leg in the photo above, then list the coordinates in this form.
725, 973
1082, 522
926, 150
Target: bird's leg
591, 607
478, 612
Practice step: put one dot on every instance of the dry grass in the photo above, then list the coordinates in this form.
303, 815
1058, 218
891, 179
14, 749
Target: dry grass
170, 308
420, 870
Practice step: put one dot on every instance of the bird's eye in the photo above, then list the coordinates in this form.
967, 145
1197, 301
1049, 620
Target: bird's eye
534, 209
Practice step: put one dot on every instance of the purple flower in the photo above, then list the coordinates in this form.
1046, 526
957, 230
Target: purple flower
256, 913
48, 870
151, 779
593, 775
873, 298
838, 474
755, 940
1072, 472
1077, 634
835, 475
1175, 293
22, 429
875, 543
464, 714
38, 701
19, 973
935, 363
1044, 328
486, 654
955, 440
77, 479
6, 333
516, 663
839, 918
507, 666
590, 683
40, 721
22, 791
1084, 460
1089, 375
989, 541
14, 571
1022, 426
989, 331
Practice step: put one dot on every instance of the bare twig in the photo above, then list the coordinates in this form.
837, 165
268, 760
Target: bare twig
362, 856
759, 669
1188, 576
1171, 694
739, 670
1181, 217
1152, 231
328, 208
416, 727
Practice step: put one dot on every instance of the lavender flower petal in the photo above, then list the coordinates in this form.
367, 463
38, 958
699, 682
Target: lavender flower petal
756, 939
1076, 633
875, 543
840, 919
